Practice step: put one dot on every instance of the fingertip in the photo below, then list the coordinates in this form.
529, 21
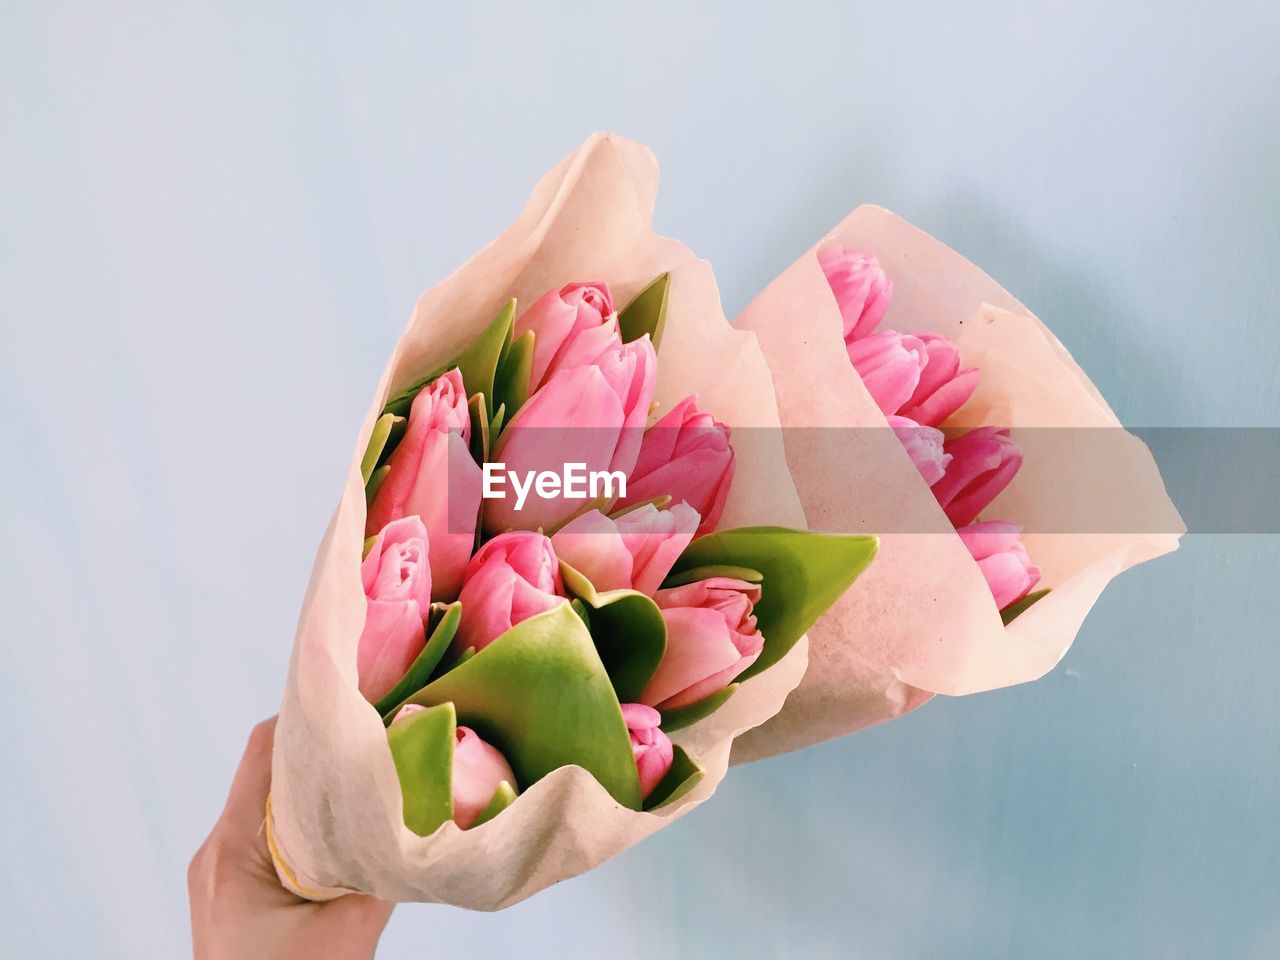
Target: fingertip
261, 738
252, 781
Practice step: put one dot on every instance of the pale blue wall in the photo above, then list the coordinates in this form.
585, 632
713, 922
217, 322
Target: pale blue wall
214, 223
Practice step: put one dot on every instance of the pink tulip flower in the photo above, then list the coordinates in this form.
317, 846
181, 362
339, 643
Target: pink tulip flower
861, 289
652, 747
924, 446
687, 456
571, 327
478, 770
1002, 558
434, 477
396, 576
510, 579
983, 461
711, 638
943, 387
634, 552
591, 415
890, 365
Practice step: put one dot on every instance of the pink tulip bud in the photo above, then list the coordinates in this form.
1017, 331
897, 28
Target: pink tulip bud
510, 579
983, 461
433, 476
589, 415
890, 365
1002, 559
397, 586
861, 289
943, 386
652, 747
478, 770
634, 552
711, 638
687, 456
567, 326
924, 446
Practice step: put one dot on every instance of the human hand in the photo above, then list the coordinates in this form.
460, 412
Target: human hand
239, 910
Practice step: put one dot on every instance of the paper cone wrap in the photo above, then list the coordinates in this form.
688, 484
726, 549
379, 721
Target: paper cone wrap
335, 820
922, 620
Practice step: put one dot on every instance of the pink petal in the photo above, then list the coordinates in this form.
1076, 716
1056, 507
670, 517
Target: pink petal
989, 537
934, 409
486, 608
576, 418
391, 640
660, 439
943, 364
700, 478
1009, 578
889, 364
966, 506
709, 685
640, 716
591, 545
478, 770
698, 646
655, 539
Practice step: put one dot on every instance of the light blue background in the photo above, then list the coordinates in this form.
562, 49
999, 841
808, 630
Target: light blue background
215, 221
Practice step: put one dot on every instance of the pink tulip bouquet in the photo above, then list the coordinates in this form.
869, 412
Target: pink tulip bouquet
922, 401
555, 590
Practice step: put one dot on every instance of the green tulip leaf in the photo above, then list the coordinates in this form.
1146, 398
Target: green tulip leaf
478, 363
402, 402
628, 631
681, 717
459, 660
496, 422
419, 672
374, 482
386, 433
647, 313
713, 570
511, 385
540, 694
680, 779
478, 407
502, 798
422, 748
368, 545
804, 573
1014, 610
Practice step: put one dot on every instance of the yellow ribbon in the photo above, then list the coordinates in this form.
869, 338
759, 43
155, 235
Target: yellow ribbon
287, 876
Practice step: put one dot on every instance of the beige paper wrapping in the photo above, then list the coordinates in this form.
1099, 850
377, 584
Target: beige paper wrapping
334, 819
922, 620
